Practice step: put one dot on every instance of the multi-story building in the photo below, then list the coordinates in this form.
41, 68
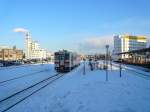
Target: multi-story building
125, 43
10, 54
28, 43
33, 50
38, 54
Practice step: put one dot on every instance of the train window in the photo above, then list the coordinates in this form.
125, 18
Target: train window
66, 56
61, 57
56, 57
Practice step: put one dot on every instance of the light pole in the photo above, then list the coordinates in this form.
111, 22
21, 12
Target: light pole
84, 67
107, 46
120, 68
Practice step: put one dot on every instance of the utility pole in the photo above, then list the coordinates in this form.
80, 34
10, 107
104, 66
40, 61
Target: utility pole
84, 67
120, 68
107, 46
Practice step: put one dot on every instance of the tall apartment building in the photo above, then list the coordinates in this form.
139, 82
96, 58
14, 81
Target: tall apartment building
32, 49
28, 43
125, 43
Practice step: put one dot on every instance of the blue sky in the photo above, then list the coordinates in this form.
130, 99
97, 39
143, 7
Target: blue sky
71, 24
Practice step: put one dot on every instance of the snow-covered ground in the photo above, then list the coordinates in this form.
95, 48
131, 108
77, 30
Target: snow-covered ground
10, 87
76, 92
144, 71
15, 71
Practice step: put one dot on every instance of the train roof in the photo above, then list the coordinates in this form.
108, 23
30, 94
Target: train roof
65, 51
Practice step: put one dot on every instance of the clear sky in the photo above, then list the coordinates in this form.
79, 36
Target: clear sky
73, 24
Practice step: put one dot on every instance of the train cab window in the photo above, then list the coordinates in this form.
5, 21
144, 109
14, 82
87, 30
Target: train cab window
61, 57
56, 57
67, 56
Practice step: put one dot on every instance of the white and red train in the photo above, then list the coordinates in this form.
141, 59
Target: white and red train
65, 61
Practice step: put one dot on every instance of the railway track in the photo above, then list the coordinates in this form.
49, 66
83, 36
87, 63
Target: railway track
25, 75
139, 74
17, 66
142, 75
10, 101
14, 67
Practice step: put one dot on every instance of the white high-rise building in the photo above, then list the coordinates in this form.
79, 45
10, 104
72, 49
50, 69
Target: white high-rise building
28, 43
32, 49
125, 43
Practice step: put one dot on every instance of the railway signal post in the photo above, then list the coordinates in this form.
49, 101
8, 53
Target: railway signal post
120, 68
107, 46
84, 67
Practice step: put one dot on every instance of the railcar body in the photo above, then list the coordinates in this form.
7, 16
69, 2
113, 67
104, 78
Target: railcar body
65, 61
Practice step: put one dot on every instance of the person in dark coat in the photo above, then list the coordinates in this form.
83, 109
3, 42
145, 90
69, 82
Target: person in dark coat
91, 64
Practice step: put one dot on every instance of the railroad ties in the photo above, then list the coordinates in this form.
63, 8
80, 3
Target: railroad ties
18, 97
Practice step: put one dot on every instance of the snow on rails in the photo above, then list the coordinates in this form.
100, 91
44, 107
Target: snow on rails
10, 101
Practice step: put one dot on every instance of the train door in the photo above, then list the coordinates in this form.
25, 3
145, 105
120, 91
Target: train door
67, 61
61, 62
56, 61
72, 61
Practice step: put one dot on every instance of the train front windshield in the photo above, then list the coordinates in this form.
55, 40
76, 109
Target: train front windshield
62, 56
67, 56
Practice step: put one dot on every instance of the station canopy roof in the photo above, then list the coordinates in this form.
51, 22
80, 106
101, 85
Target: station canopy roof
136, 51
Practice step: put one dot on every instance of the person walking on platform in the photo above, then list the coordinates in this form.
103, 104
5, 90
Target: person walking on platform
91, 64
